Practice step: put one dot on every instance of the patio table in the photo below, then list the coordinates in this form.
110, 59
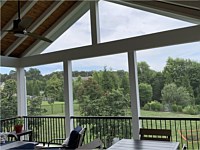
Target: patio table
24, 132
18, 145
130, 144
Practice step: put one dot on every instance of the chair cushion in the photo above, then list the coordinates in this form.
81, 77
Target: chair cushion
74, 138
28, 146
65, 142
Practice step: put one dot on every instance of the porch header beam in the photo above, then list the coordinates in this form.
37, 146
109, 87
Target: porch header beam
155, 40
9, 61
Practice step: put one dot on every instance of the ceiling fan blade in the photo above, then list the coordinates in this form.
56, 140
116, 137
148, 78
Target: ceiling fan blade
7, 30
25, 22
38, 37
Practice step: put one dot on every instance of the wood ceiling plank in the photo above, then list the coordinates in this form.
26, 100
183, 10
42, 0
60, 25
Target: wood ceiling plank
28, 5
62, 24
34, 26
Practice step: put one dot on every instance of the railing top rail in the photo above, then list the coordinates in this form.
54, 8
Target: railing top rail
44, 116
107, 117
7, 119
168, 118
101, 117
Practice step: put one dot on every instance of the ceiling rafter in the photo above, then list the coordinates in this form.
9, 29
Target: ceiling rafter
24, 10
2, 3
189, 4
164, 8
34, 26
60, 26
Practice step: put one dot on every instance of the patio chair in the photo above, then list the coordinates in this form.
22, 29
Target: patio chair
97, 143
155, 134
74, 141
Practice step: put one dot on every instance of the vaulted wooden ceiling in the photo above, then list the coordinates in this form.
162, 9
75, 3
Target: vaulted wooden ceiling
44, 15
47, 19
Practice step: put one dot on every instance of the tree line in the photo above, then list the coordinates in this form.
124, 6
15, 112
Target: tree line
106, 92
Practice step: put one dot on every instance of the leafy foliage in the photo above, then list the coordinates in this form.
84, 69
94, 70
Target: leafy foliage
9, 99
145, 91
171, 94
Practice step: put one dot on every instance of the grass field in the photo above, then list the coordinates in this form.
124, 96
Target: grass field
58, 110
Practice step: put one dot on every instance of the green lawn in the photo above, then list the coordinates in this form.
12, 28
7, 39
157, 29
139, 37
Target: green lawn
145, 113
56, 102
58, 109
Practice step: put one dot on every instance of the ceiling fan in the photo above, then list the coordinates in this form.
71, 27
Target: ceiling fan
20, 26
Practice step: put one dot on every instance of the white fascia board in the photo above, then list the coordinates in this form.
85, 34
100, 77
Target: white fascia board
156, 11
9, 61
155, 40
66, 21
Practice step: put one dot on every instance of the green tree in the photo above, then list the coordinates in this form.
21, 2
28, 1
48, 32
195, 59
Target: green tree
9, 99
145, 91
33, 73
145, 74
109, 80
124, 81
54, 89
157, 85
33, 87
171, 94
89, 89
177, 71
35, 106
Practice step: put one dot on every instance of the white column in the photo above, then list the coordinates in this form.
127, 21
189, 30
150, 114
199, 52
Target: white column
21, 92
134, 93
68, 96
94, 18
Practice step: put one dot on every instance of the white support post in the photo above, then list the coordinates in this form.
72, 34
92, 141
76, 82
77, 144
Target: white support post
21, 92
94, 18
68, 96
134, 93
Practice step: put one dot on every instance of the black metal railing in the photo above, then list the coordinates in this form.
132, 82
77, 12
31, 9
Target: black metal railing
46, 128
184, 130
105, 128
8, 124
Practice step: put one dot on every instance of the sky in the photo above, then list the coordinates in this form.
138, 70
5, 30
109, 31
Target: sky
119, 22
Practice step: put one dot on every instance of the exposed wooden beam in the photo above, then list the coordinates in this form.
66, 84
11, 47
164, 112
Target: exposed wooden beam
24, 10
34, 26
164, 8
190, 4
68, 19
155, 40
